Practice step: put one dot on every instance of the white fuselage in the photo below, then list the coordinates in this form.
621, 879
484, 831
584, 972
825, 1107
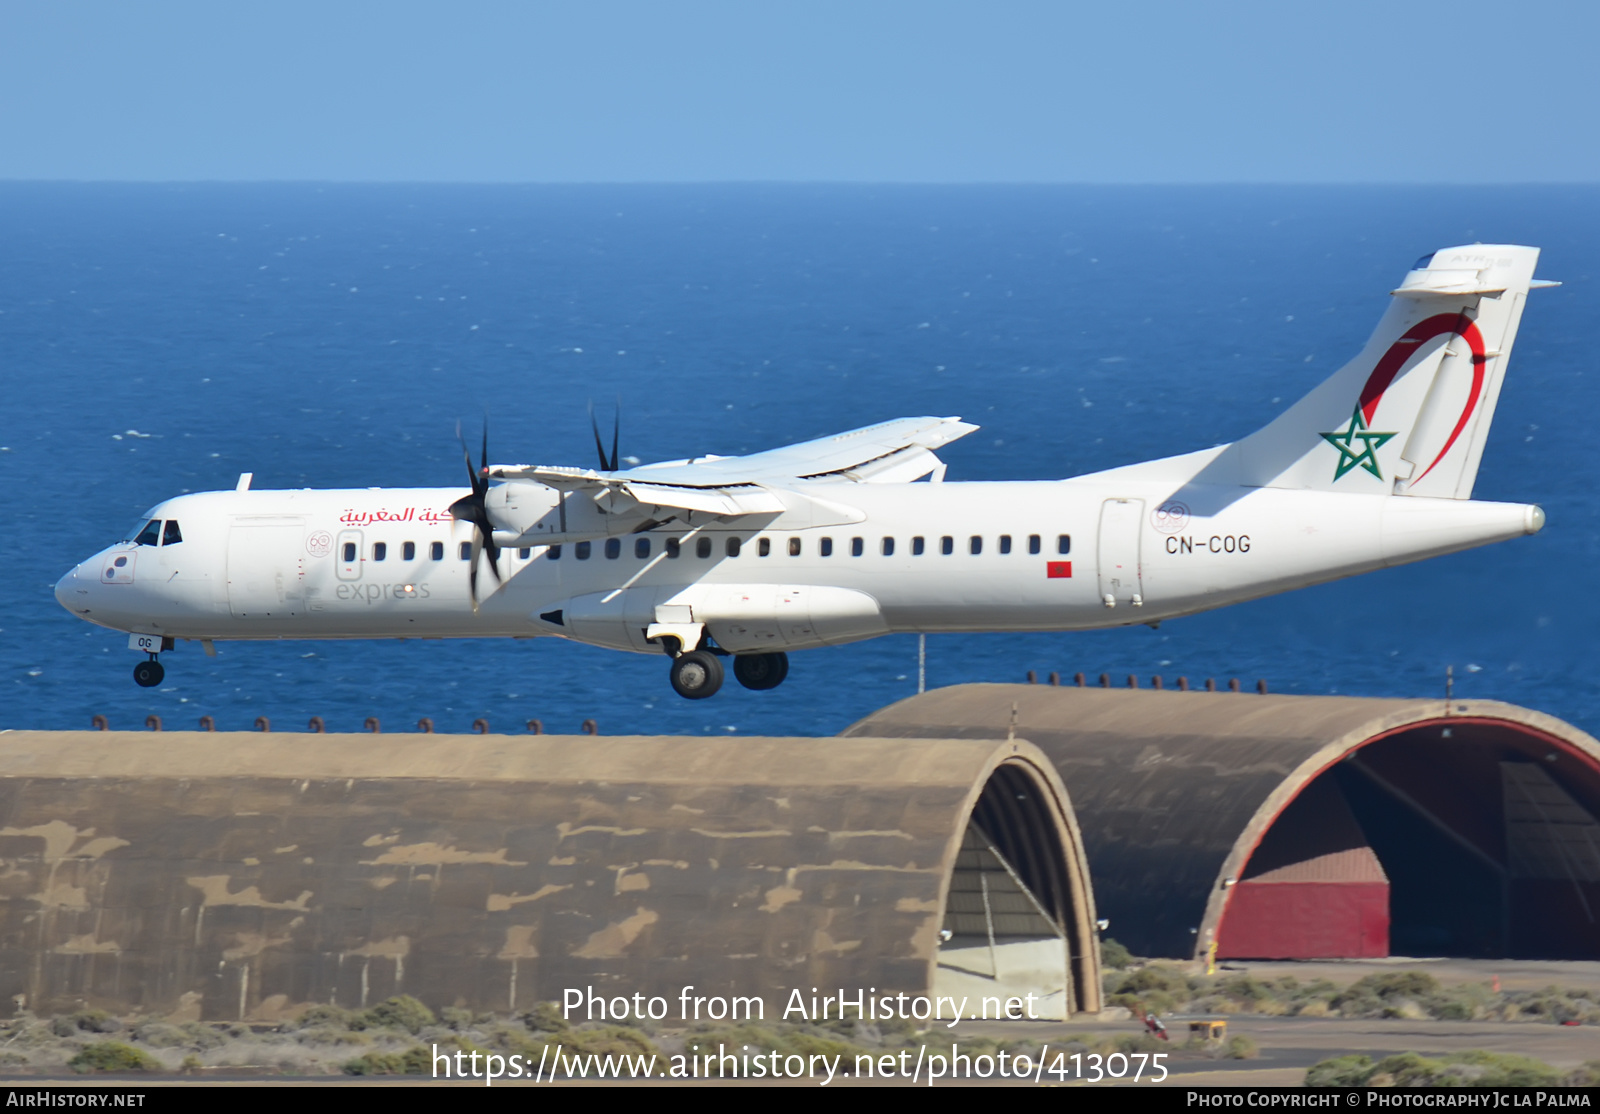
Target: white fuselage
833, 540
1095, 551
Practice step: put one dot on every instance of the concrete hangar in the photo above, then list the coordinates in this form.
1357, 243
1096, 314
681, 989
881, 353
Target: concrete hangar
946, 845
1311, 827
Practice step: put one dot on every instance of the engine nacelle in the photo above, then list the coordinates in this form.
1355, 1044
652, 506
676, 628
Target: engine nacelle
527, 513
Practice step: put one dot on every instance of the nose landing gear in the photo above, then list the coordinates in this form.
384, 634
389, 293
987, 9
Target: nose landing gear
148, 674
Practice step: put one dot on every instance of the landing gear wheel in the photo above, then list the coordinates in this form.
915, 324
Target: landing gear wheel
148, 674
696, 675
761, 671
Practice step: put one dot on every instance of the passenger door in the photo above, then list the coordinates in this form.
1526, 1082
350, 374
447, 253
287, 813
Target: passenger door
1121, 582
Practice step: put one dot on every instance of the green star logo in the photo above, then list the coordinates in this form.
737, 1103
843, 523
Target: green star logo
1349, 455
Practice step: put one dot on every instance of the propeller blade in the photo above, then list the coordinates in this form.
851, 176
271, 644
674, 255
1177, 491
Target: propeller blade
494, 552
472, 508
616, 432
483, 467
599, 445
472, 570
466, 455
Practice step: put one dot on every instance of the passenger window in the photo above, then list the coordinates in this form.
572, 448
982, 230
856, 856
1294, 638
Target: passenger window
380, 551
613, 548
171, 535
917, 546
888, 547
641, 547
581, 550
1064, 544
466, 551
702, 547
436, 551
976, 545
1033, 543
947, 545
554, 553
151, 534
764, 547
794, 547
349, 552
857, 547
1005, 543
524, 553
732, 547
674, 547
825, 546
408, 551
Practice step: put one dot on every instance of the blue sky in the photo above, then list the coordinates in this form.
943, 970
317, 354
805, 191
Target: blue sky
885, 91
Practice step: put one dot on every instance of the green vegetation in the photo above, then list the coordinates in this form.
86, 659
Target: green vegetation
193, 1035
1240, 1047
1164, 988
404, 1012
413, 1061
399, 1035
545, 1018
1113, 954
1458, 1069
113, 1056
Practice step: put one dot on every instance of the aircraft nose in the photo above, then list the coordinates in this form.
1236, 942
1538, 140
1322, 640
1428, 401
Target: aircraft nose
72, 592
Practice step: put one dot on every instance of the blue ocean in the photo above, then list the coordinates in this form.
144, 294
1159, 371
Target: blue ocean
158, 339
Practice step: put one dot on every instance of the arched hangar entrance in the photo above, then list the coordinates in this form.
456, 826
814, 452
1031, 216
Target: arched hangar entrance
1312, 827
248, 876
1467, 835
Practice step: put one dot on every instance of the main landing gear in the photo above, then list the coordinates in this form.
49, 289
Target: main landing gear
148, 674
697, 674
761, 671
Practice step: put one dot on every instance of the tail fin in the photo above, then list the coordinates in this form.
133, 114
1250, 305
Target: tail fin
1411, 413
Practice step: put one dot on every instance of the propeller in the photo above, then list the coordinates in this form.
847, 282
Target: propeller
471, 508
607, 463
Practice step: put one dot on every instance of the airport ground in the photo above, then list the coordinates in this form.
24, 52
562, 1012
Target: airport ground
1284, 1046
1287, 1046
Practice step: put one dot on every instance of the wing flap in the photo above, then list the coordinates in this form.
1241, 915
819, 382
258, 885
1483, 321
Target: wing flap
724, 502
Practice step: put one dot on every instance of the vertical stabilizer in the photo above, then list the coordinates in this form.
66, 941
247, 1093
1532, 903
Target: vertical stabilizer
1410, 414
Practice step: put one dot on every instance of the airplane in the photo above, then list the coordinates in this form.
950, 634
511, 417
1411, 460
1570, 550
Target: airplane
857, 535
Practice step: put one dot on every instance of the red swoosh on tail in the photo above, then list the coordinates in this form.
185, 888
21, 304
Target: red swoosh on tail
1404, 348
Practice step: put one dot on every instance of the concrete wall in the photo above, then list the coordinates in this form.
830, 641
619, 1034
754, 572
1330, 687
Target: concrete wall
246, 875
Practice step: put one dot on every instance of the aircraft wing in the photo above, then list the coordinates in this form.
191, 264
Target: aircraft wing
890, 452
860, 454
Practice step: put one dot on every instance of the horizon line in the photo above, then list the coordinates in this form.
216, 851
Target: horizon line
895, 182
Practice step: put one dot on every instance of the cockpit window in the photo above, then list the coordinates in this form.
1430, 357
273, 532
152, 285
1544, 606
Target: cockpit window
171, 535
150, 535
